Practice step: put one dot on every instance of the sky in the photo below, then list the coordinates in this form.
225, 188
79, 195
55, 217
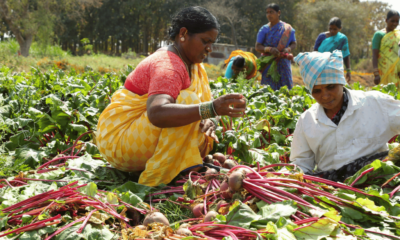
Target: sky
395, 3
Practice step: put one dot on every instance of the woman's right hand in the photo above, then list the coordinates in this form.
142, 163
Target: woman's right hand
232, 105
377, 79
274, 51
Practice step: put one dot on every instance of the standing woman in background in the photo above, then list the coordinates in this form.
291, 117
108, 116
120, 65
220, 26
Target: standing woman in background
272, 39
385, 48
335, 40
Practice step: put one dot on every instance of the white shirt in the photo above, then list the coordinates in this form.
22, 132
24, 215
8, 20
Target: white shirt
370, 121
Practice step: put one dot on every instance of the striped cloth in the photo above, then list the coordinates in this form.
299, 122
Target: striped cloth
321, 68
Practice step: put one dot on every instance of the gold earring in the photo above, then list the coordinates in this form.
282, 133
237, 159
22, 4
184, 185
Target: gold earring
182, 39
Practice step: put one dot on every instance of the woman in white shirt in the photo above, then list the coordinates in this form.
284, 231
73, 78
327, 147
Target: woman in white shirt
345, 129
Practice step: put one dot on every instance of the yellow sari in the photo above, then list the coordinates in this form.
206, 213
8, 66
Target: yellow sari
250, 57
129, 142
388, 60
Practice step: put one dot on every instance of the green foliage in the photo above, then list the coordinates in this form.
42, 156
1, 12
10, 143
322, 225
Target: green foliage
44, 113
47, 110
11, 47
273, 113
240, 215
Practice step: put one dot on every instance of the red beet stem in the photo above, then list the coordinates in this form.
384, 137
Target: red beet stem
361, 175
394, 191
65, 227
85, 222
21, 229
54, 160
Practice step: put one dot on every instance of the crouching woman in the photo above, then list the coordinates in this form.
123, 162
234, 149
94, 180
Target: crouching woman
161, 123
346, 129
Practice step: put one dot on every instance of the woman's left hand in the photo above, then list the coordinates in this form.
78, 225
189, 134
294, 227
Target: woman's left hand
208, 127
348, 77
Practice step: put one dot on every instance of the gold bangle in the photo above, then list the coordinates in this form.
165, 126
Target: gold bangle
267, 49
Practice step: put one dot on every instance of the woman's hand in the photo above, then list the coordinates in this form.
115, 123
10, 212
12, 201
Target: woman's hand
232, 105
348, 77
377, 79
274, 51
208, 127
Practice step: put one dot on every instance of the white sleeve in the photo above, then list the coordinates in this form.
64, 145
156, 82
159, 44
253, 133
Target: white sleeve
301, 153
392, 109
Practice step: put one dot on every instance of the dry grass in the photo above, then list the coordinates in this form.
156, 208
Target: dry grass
104, 64
100, 63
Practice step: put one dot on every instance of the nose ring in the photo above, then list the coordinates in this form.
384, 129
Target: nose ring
208, 49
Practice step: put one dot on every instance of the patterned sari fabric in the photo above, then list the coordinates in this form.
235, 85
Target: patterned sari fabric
280, 36
129, 142
337, 42
251, 65
388, 60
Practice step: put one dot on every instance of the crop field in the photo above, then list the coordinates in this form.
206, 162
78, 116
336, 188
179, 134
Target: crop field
54, 183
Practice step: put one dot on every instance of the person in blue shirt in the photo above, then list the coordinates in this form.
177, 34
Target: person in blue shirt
333, 40
240, 61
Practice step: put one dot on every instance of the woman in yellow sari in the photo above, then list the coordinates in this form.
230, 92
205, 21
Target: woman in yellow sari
385, 47
240, 61
162, 123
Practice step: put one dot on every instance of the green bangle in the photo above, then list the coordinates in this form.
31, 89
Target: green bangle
348, 70
206, 110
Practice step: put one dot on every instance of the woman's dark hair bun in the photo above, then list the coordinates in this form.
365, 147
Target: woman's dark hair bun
273, 6
195, 19
336, 21
239, 62
392, 13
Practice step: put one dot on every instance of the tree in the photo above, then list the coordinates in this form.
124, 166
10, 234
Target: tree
313, 18
28, 18
228, 13
3, 30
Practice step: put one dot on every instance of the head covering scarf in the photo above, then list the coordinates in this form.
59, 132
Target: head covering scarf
321, 68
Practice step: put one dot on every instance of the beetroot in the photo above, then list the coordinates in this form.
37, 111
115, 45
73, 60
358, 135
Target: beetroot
288, 56
210, 216
210, 173
142, 227
244, 170
216, 163
208, 159
155, 217
235, 180
229, 164
198, 210
184, 231
226, 193
220, 157
185, 225
220, 203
